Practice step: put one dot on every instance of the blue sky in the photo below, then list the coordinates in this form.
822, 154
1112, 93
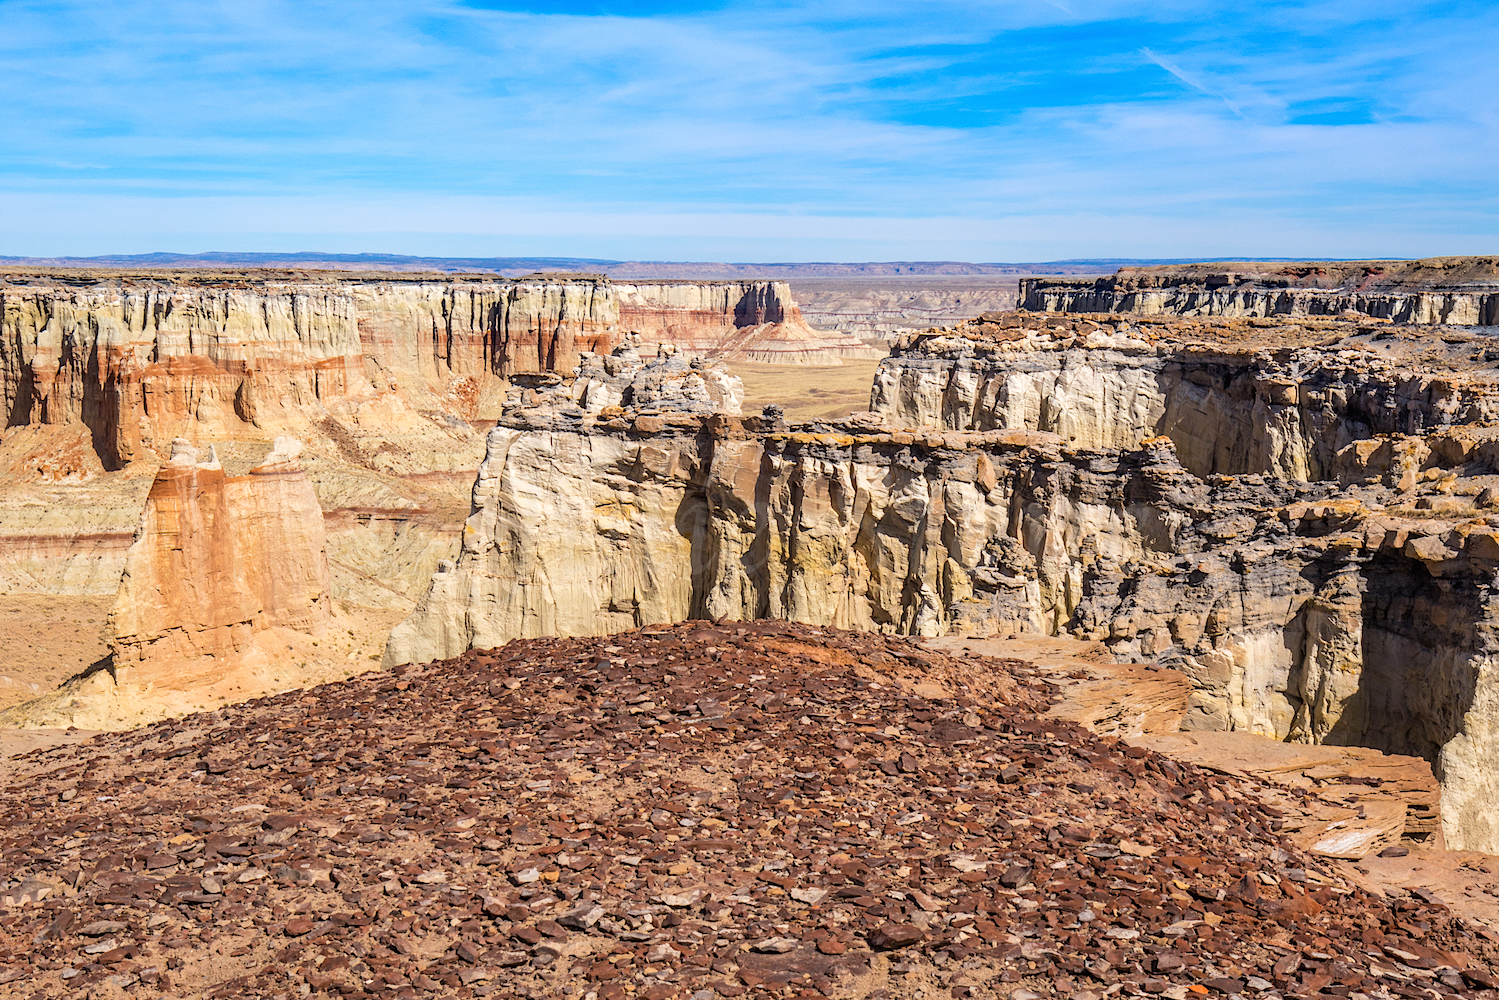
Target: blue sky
876, 130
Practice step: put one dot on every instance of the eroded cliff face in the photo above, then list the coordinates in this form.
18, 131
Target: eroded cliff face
224, 596
1352, 608
216, 560
139, 360
732, 321
883, 308
387, 371
1460, 291
1235, 397
583, 527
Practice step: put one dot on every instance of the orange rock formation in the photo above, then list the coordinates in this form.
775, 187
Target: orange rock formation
217, 561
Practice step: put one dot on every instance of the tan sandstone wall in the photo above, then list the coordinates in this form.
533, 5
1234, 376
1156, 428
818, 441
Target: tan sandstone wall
1287, 413
1456, 291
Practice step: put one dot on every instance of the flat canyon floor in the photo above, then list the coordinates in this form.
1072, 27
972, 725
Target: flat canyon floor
694, 811
808, 392
45, 639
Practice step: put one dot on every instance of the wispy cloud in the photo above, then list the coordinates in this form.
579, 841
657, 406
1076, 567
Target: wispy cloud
1329, 126
1190, 79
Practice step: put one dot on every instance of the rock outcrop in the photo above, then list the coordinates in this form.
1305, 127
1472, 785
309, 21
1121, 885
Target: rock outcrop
141, 359
732, 321
885, 307
1235, 397
1460, 291
224, 595
735, 809
669, 381
1347, 608
217, 560
380, 368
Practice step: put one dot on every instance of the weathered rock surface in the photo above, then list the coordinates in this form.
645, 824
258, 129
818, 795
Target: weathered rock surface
216, 560
224, 595
688, 811
1462, 291
586, 526
1235, 397
379, 367
669, 381
732, 321
1349, 611
882, 308
139, 361
1340, 801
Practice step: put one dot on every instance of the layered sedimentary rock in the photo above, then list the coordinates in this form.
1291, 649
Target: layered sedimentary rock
732, 321
885, 307
1350, 608
1461, 291
217, 560
1235, 397
380, 368
139, 360
667, 381
224, 596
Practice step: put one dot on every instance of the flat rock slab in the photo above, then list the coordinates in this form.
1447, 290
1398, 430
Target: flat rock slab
1363, 801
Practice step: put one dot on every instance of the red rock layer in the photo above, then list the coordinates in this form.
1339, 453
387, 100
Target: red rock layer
141, 360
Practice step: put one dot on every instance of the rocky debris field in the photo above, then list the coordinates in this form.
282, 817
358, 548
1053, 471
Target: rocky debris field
689, 811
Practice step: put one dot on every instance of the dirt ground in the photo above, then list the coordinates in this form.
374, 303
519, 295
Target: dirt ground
713, 810
45, 639
808, 392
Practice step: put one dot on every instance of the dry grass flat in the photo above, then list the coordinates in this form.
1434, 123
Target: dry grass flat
808, 392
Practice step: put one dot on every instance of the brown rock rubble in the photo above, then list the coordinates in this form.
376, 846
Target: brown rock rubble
685, 811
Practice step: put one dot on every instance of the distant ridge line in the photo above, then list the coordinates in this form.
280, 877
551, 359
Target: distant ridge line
618, 269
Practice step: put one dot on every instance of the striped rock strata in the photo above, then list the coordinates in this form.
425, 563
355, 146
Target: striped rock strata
1350, 609
1461, 291
378, 367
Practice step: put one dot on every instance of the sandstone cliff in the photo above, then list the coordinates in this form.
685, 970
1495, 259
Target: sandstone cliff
883, 308
140, 360
732, 321
1461, 291
1347, 600
224, 596
216, 560
1235, 397
384, 370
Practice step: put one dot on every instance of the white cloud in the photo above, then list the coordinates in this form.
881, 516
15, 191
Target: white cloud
757, 126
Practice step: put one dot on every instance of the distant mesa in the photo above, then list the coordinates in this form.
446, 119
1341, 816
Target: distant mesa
522, 266
1460, 291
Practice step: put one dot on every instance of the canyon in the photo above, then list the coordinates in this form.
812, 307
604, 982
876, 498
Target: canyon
1299, 518
886, 306
1191, 601
388, 379
140, 358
